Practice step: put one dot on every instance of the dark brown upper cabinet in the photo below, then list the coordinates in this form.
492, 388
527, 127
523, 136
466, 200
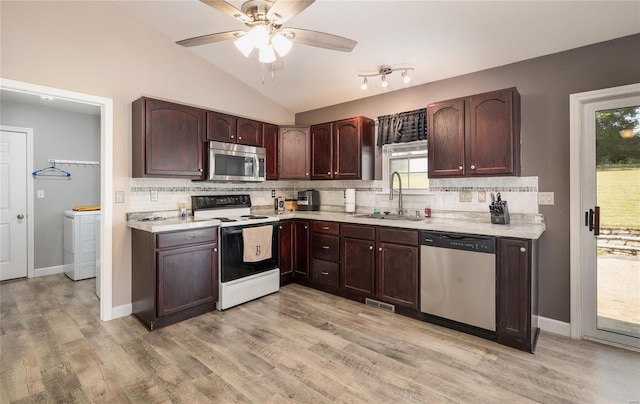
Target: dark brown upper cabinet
475, 136
343, 149
293, 153
270, 142
230, 129
167, 140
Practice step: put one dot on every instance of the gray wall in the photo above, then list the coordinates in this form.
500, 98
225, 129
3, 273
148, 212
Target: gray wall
545, 84
61, 135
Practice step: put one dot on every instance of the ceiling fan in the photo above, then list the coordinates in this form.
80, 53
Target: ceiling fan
264, 19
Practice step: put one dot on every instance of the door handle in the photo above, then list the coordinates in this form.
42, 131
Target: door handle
20, 216
592, 220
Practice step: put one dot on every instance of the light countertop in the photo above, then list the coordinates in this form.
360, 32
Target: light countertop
456, 225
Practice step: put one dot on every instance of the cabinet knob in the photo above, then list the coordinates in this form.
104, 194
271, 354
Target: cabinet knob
328, 172
379, 248
20, 216
370, 247
460, 168
215, 249
232, 136
335, 173
522, 249
306, 227
239, 137
306, 174
280, 227
473, 167
200, 169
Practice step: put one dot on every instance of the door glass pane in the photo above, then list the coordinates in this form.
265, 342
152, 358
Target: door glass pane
618, 196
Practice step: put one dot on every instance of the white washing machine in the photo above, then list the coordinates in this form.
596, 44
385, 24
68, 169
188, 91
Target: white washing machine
80, 244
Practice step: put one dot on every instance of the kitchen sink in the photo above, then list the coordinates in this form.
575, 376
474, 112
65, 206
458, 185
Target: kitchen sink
389, 217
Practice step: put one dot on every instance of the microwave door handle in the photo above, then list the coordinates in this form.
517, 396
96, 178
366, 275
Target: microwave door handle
256, 167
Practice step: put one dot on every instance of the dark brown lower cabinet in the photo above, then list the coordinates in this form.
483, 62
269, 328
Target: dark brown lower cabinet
358, 261
294, 250
517, 293
174, 275
397, 272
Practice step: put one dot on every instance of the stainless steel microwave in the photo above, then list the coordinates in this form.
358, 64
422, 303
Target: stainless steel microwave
236, 162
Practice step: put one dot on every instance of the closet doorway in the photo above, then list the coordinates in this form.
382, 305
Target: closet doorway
105, 107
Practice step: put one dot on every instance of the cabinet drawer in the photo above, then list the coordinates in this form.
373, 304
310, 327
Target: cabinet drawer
325, 273
397, 236
358, 231
326, 228
178, 238
326, 247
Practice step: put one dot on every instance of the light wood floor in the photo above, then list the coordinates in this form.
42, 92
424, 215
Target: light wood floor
296, 346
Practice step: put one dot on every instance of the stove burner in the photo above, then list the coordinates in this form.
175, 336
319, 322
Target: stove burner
254, 217
224, 219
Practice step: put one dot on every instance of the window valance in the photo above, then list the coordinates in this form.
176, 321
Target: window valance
402, 127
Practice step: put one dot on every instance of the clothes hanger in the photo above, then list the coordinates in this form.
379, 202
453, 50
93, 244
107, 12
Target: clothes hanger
51, 171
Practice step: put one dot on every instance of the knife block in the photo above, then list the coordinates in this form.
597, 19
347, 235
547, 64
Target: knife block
499, 212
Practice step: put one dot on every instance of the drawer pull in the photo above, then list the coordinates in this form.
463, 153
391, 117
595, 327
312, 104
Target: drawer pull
324, 273
325, 227
326, 247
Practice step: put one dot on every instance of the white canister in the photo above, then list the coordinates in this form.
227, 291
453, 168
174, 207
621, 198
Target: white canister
350, 200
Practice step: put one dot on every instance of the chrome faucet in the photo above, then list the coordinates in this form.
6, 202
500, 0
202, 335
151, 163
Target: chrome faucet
399, 191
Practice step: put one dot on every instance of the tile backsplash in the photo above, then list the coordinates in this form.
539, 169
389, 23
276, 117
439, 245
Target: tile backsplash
443, 195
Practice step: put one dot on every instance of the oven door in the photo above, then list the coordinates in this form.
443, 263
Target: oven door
232, 265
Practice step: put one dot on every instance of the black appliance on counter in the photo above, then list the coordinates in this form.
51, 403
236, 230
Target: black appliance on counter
309, 200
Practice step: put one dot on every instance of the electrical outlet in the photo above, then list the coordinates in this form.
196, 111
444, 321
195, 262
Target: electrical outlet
273, 193
119, 196
40, 194
465, 196
154, 196
482, 196
545, 198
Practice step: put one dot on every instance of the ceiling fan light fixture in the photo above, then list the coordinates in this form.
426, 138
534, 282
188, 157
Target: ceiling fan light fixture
267, 55
260, 36
281, 44
244, 45
364, 85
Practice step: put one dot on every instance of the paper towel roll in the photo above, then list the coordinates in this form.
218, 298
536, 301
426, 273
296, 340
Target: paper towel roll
350, 200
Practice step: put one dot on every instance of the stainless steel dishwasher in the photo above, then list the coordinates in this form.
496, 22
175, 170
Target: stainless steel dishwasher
457, 278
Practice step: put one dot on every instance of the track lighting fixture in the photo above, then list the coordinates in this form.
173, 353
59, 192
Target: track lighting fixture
384, 71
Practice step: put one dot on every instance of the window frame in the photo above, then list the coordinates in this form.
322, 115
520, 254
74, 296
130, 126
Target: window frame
388, 149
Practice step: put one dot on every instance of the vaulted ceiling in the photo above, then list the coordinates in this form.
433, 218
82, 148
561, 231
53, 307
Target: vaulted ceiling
440, 39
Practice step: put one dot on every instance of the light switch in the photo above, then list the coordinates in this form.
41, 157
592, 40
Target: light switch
40, 194
545, 198
154, 196
465, 196
119, 196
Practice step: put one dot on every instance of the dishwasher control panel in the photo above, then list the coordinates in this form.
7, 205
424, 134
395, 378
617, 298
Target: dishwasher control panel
458, 241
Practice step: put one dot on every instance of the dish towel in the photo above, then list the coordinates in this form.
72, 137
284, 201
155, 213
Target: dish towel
257, 243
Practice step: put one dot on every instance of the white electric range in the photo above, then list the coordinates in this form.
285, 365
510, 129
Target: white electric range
239, 280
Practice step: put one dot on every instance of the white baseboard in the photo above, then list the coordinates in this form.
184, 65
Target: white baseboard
121, 311
56, 269
554, 326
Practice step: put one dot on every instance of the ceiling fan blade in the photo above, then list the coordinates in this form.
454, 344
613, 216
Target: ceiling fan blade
320, 39
211, 38
228, 9
286, 10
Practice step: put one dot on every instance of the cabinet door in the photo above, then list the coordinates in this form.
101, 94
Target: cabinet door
358, 264
446, 139
293, 162
494, 134
270, 142
397, 280
301, 249
249, 132
322, 152
167, 140
186, 277
286, 249
221, 127
348, 149
513, 287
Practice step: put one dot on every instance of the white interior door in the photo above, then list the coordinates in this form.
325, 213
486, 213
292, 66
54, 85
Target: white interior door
13, 205
611, 207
